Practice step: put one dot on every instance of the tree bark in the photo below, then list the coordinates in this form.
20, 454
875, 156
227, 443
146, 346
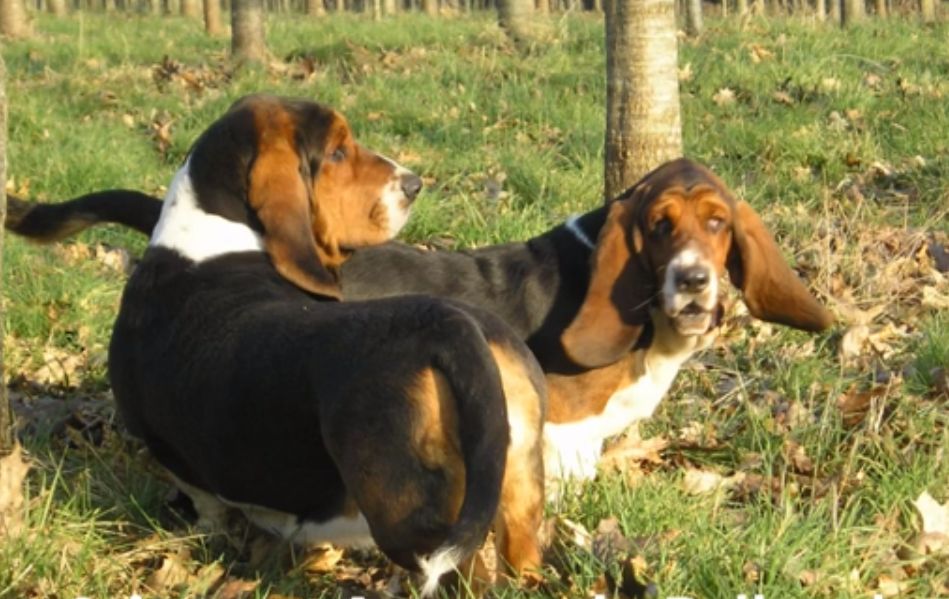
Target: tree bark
430, 7
927, 10
820, 9
643, 123
247, 31
834, 11
6, 413
390, 7
13, 22
191, 9
542, 6
57, 7
212, 18
515, 16
693, 17
315, 8
742, 7
880, 6
853, 12
376, 10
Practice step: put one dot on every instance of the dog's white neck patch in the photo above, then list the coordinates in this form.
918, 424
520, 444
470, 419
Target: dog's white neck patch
184, 227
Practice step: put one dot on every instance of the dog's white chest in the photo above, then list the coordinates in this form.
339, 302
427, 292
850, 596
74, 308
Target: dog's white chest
571, 450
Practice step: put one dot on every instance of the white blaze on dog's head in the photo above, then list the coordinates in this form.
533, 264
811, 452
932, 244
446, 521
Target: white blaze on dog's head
284, 176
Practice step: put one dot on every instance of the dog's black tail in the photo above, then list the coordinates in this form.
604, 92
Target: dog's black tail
46, 223
484, 434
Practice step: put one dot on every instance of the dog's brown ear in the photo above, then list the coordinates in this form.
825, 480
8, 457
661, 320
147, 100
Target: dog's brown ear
772, 291
616, 306
279, 196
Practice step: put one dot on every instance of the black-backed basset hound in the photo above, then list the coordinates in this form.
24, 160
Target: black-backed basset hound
406, 421
611, 302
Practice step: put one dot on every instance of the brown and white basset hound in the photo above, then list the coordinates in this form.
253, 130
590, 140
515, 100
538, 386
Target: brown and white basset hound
611, 303
408, 422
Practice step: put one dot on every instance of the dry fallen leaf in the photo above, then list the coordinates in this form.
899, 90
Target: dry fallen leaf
322, 559
724, 97
171, 574
934, 535
237, 588
854, 405
13, 469
698, 482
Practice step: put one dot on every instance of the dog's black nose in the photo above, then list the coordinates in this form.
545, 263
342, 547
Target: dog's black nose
692, 279
411, 184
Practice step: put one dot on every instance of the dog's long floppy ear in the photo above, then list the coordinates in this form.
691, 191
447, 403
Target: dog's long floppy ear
772, 291
616, 306
281, 199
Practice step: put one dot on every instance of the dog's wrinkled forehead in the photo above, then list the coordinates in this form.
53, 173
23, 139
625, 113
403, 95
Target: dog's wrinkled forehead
682, 176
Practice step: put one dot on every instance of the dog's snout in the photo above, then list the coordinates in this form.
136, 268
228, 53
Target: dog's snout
411, 185
692, 279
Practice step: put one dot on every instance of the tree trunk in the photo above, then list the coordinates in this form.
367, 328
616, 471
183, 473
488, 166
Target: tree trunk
6, 414
376, 10
315, 8
693, 17
853, 12
927, 9
643, 124
191, 9
212, 18
880, 8
390, 7
430, 7
820, 9
13, 22
247, 31
834, 11
57, 7
742, 7
542, 6
515, 16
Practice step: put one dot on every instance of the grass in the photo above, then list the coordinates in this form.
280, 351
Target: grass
840, 139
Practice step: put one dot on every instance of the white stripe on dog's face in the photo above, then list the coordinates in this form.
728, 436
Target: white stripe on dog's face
398, 205
675, 300
195, 234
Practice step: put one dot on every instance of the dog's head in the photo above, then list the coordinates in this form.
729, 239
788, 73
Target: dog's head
664, 246
291, 172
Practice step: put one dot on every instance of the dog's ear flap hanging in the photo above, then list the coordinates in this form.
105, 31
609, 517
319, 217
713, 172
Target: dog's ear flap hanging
771, 290
281, 199
616, 306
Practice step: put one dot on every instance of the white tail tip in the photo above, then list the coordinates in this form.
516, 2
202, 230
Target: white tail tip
436, 565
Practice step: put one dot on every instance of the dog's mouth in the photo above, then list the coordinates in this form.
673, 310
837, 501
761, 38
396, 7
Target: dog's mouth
692, 320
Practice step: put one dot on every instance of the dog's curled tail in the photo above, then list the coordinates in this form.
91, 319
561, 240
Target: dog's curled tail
49, 222
484, 434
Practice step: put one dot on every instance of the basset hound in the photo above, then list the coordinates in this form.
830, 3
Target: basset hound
611, 303
408, 422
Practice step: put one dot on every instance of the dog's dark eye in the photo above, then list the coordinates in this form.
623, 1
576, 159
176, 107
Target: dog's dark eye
715, 224
338, 155
662, 227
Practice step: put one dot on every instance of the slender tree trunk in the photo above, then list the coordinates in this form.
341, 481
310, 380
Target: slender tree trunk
212, 18
315, 8
820, 9
515, 17
13, 22
853, 12
693, 17
430, 7
191, 9
742, 7
57, 7
542, 6
834, 11
376, 10
927, 10
643, 123
6, 413
390, 7
247, 31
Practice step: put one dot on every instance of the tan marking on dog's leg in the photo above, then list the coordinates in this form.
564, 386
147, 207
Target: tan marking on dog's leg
212, 512
522, 492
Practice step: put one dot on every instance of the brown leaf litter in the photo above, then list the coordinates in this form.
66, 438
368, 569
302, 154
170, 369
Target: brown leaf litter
13, 471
